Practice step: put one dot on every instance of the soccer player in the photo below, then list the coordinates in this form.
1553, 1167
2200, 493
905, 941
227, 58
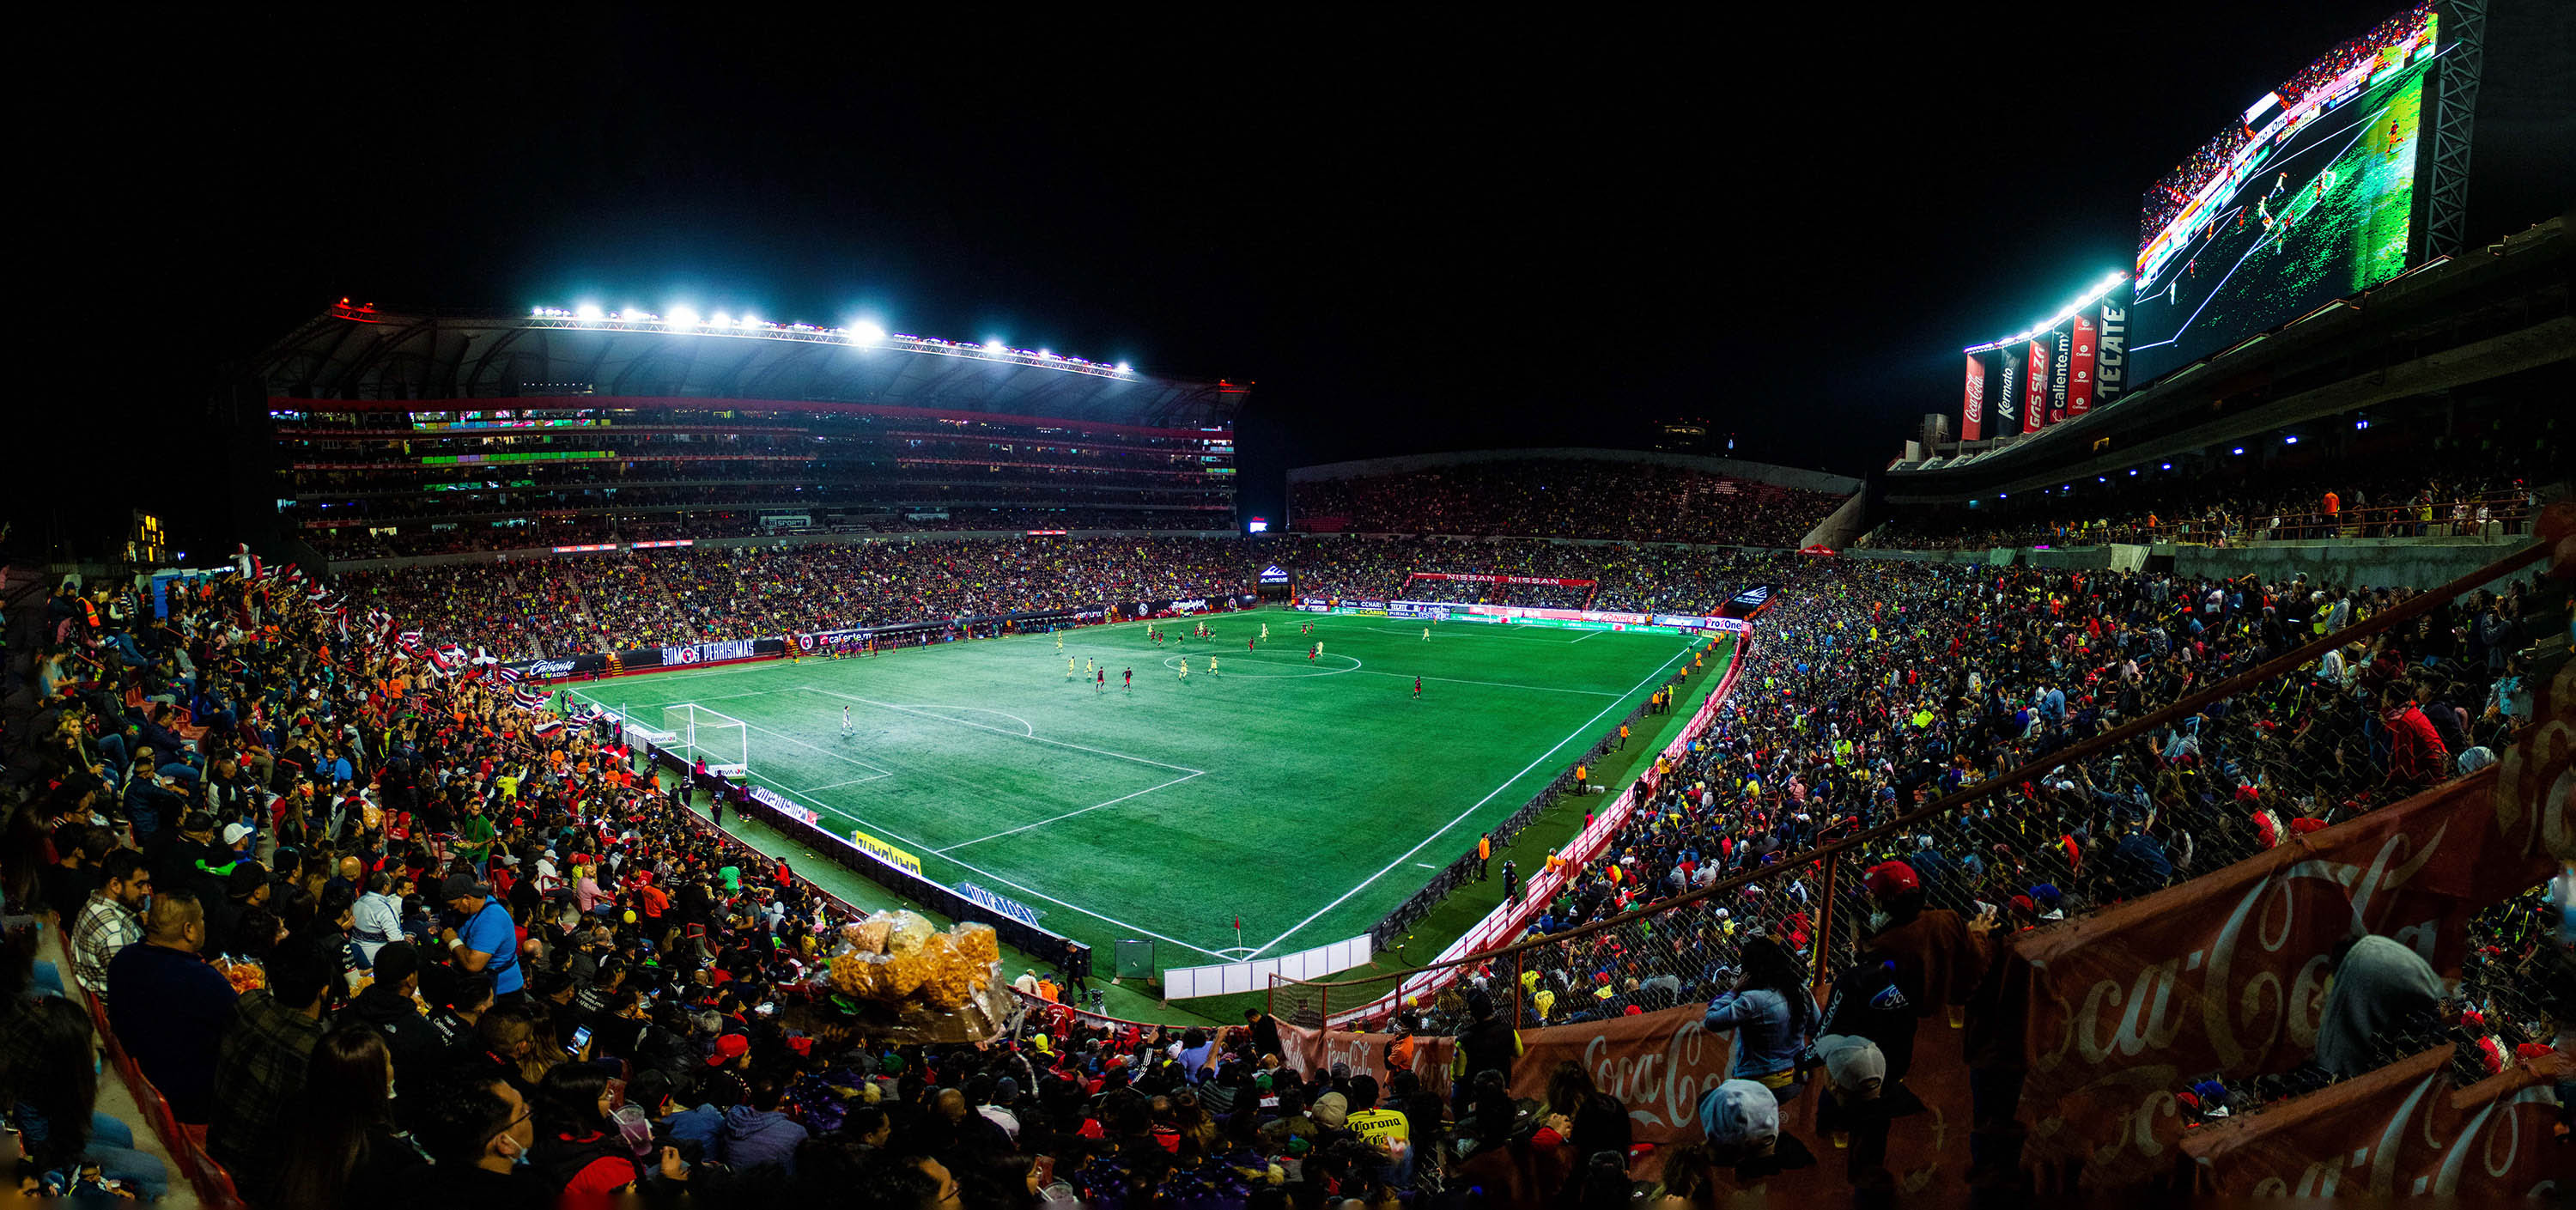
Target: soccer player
846, 726
1426, 634
1185, 668
1059, 641
1310, 652
1265, 630
1127, 680
1212, 666
1101, 685
1247, 645
1068, 668
1417, 688
1086, 667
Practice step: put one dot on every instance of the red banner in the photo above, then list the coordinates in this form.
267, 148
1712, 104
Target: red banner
2079, 365
2401, 1131
1972, 418
2034, 395
2225, 974
1318, 1049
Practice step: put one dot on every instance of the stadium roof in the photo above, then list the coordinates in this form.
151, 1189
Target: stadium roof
358, 352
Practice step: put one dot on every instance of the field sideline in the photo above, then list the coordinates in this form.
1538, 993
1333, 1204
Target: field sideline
1307, 796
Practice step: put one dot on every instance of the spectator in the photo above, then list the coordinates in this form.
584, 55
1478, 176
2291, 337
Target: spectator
110, 920
169, 1009
260, 1066
342, 1124
1773, 1015
477, 1135
54, 1107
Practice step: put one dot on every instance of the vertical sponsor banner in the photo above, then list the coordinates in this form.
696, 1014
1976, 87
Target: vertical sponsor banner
1972, 417
2079, 363
2034, 394
2059, 355
2007, 397
2110, 348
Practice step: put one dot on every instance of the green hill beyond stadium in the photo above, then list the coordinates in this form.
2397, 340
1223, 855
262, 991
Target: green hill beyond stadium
1307, 796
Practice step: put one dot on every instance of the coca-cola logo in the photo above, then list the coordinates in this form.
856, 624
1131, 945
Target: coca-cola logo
1660, 1085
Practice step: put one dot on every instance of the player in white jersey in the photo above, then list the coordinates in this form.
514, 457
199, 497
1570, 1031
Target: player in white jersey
846, 725
1265, 632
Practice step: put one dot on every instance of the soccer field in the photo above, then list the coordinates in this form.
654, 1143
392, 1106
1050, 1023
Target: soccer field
1310, 797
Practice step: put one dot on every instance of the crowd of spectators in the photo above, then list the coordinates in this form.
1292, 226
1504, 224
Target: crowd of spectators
382, 937
415, 539
556, 607
1872, 689
2488, 495
443, 892
1563, 498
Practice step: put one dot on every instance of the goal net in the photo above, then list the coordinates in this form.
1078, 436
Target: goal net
721, 740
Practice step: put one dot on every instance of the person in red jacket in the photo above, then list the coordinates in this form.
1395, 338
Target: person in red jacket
2415, 753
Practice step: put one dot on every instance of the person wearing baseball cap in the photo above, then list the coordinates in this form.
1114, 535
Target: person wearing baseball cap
486, 941
1741, 1120
1945, 957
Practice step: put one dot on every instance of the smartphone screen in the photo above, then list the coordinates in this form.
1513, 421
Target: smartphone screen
580, 1038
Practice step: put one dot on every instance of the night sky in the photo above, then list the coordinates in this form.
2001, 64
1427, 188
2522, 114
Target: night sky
1459, 235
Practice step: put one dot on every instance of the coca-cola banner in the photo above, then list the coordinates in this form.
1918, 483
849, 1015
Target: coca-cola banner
1972, 416
2225, 974
1306, 1049
2401, 1131
2079, 364
2034, 393
1659, 1064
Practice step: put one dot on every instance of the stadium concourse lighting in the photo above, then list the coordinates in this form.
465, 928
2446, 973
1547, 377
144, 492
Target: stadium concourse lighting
2088, 298
2292, 439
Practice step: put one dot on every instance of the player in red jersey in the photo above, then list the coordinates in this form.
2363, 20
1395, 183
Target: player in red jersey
1417, 688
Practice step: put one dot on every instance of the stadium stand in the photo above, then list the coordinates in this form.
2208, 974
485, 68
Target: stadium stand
2485, 474
1565, 494
579, 432
1875, 700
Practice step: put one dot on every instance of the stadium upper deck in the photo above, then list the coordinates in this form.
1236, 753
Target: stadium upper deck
411, 433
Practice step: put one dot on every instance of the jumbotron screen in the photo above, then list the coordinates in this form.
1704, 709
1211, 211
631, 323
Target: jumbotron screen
2309, 197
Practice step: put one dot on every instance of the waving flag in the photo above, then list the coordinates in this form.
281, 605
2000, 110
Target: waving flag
529, 697
507, 676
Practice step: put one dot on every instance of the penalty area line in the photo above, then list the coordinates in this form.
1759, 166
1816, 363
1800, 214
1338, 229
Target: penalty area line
1067, 815
1425, 842
891, 834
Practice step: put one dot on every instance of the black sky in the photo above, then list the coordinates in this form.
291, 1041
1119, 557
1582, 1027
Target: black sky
1448, 235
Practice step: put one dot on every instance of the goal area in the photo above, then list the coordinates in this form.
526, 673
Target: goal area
721, 740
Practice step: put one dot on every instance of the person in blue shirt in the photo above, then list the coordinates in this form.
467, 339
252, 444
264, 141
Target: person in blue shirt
1773, 1015
487, 941
169, 1007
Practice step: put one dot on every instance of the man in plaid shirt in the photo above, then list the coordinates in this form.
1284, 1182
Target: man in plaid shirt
259, 1069
111, 919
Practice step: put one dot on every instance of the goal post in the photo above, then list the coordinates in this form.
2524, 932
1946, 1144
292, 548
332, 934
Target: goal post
721, 740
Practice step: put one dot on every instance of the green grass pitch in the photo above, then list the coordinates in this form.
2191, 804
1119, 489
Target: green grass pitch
1311, 797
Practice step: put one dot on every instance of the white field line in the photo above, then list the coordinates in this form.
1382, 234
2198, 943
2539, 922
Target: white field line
1425, 842
1032, 892
1067, 815
1406, 676
999, 731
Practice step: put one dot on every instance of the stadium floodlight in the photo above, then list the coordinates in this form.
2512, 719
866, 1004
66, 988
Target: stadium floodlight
587, 313
861, 332
748, 320
683, 317
994, 346
1122, 368
2088, 298
721, 320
